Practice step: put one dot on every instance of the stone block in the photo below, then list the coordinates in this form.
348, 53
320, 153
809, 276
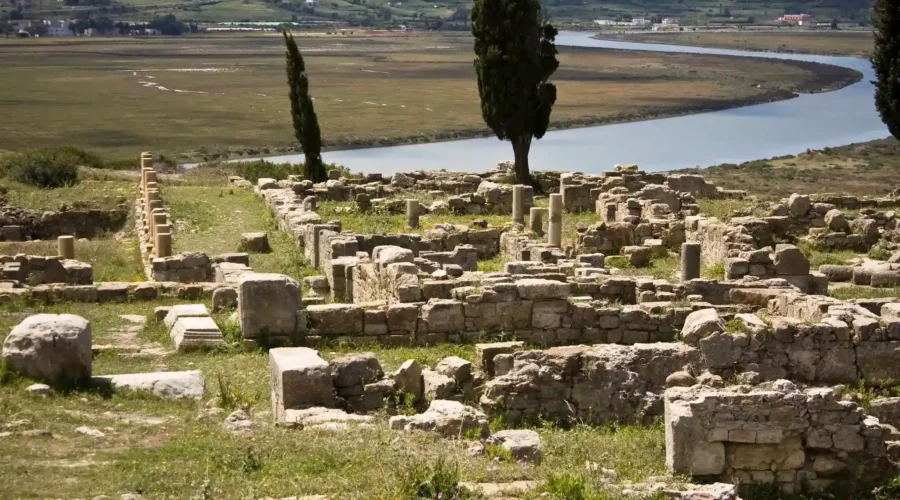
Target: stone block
444, 316
541, 289
184, 311
485, 353
191, 333
335, 319
166, 385
53, 348
300, 379
268, 305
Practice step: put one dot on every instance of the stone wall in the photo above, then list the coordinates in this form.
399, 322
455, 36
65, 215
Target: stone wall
194, 267
795, 439
111, 291
540, 311
787, 262
17, 224
39, 269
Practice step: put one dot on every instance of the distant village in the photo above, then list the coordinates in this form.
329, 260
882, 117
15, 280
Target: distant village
654, 23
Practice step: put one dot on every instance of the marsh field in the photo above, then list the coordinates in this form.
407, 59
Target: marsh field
197, 98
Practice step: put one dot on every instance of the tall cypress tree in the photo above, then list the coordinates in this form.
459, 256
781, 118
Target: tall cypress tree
306, 125
886, 61
515, 55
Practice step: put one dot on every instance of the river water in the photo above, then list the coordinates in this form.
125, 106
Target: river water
760, 131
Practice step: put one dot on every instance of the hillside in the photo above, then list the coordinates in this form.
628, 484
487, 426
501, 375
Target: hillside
436, 14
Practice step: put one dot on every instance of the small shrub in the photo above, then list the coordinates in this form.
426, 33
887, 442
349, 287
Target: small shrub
736, 326
232, 396
498, 452
569, 487
713, 271
257, 169
440, 480
618, 261
7, 376
43, 168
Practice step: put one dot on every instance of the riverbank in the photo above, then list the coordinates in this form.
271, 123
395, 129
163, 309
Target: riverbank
224, 97
832, 43
861, 169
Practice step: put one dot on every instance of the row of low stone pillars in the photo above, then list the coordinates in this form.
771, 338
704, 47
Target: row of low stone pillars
536, 214
156, 219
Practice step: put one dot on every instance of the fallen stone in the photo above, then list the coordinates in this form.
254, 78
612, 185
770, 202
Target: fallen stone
39, 389
524, 445
317, 416
680, 379
450, 419
166, 385
193, 333
255, 242
238, 422
87, 431
456, 368
437, 386
700, 324
300, 378
408, 378
54, 348
485, 353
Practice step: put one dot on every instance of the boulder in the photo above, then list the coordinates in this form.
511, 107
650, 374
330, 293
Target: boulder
700, 324
637, 256
523, 445
789, 260
799, 205
836, 222
355, 370
54, 348
680, 379
437, 386
450, 419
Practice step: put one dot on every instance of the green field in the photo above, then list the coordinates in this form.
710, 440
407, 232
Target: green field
201, 97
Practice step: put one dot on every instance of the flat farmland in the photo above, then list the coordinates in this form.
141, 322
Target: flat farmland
204, 97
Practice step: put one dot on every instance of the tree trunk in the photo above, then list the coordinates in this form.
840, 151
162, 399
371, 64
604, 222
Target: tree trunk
521, 147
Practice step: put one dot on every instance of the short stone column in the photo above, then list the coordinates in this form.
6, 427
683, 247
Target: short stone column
163, 247
159, 219
518, 204
65, 246
150, 176
690, 261
309, 204
554, 237
535, 220
146, 160
412, 214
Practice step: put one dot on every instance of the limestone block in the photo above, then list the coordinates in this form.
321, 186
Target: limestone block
687, 449
877, 361
799, 205
255, 242
437, 386
542, 289
444, 316
523, 445
268, 305
190, 333
355, 370
456, 368
408, 378
835, 221
402, 318
789, 260
300, 378
224, 298
166, 385
184, 311
485, 353
54, 348
638, 256
335, 319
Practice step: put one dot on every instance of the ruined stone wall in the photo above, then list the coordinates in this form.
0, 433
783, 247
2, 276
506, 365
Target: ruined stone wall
39, 269
532, 310
17, 224
794, 439
195, 267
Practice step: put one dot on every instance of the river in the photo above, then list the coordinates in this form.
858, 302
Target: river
730, 136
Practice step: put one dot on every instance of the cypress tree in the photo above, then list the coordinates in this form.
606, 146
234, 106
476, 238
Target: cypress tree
515, 55
886, 61
306, 125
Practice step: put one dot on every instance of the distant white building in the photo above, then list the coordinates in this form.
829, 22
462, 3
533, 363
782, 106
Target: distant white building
640, 21
312, 3
58, 28
669, 20
605, 22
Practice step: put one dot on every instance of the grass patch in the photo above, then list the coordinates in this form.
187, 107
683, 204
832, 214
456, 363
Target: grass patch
377, 222
211, 219
818, 257
713, 271
862, 292
497, 264
86, 194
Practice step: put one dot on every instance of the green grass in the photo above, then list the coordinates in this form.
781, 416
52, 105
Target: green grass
113, 259
862, 292
819, 257
376, 222
665, 268
211, 219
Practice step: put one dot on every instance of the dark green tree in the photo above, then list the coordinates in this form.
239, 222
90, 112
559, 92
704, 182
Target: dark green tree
306, 124
886, 62
514, 57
